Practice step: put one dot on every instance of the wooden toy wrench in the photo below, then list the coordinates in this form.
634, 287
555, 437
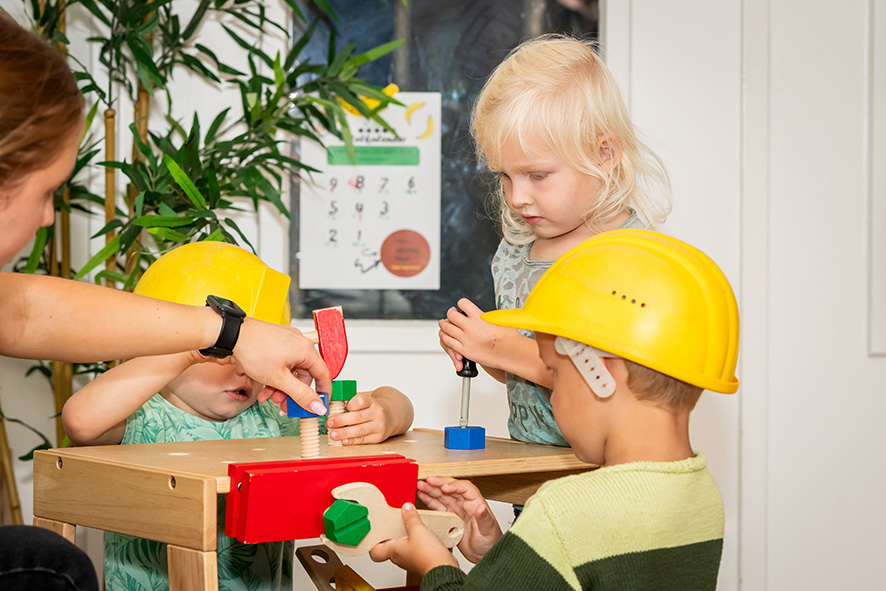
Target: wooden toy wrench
387, 523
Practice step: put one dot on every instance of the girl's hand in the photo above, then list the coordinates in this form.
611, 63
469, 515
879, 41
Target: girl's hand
465, 500
467, 335
418, 552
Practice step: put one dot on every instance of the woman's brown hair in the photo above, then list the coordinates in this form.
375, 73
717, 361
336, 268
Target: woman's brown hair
40, 103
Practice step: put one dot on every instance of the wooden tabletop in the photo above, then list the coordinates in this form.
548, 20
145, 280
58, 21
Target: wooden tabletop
210, 459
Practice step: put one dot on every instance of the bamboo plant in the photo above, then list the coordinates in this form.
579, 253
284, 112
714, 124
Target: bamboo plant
184, 178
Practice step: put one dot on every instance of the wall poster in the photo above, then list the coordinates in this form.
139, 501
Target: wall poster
374, 224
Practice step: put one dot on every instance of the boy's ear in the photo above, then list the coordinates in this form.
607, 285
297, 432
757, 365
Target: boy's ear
608, 151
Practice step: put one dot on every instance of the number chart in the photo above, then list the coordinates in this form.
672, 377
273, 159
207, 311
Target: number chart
374, 223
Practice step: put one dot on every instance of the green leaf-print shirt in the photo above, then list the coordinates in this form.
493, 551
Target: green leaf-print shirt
136, 564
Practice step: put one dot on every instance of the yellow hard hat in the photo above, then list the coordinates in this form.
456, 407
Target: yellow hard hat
643, 296
189, 273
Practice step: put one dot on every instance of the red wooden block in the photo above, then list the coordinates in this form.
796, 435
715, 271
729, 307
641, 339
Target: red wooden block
274, 501
331, 338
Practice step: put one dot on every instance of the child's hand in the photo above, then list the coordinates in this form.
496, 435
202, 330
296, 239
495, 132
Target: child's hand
419, 552
465, 500
372, 417
467, 335
366, 421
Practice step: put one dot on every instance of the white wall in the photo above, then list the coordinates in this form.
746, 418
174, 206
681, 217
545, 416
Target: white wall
763, 111
767, 114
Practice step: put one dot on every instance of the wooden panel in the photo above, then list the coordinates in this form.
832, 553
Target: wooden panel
66, 530
150, 503
192, 570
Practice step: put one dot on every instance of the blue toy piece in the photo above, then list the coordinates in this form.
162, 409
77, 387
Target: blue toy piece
294, 410
464, 438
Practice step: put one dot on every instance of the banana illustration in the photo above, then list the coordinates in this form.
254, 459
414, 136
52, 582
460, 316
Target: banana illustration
390, 90
411, 109
430, 129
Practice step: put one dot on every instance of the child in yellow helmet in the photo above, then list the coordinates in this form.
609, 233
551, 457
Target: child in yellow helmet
633, 325
177, 398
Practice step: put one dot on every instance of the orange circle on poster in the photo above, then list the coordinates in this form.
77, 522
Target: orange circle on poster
405, 253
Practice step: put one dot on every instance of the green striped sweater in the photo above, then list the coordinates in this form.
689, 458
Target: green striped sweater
639, 526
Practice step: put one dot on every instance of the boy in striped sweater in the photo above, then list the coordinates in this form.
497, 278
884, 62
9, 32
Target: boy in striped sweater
633, 325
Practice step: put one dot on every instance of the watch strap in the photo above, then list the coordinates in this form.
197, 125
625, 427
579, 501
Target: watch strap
232, 318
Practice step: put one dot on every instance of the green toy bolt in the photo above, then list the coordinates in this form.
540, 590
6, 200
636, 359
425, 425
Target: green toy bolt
346, 522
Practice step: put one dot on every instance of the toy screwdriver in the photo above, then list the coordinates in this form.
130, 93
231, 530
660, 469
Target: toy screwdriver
468, 371
463, 436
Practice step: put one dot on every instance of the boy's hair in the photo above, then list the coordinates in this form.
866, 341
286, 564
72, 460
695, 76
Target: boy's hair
554, 93
661, 390
39, 102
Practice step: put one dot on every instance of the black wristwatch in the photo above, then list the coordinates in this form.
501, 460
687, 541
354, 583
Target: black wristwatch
232, 318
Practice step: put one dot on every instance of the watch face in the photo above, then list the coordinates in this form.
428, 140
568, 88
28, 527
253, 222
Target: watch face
225, 305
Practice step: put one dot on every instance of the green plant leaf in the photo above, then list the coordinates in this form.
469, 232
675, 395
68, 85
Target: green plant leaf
112, 225
184, 182
40, 241
168, 234
217, 236
160, 221
196, 20
375, 53
232, 224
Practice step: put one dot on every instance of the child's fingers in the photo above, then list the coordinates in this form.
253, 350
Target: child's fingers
468, 307
359, 402
431, 502
463, 488
355, 435
382, 551
439, 480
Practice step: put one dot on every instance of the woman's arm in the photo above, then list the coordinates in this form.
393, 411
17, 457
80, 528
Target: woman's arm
96, 414
50, 318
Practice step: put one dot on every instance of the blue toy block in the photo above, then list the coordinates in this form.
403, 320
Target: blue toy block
464, 438
294, 410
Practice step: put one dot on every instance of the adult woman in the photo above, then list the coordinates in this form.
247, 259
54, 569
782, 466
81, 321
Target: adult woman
41, 124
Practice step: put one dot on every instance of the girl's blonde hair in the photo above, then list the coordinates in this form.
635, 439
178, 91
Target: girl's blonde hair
40, 103
553, 94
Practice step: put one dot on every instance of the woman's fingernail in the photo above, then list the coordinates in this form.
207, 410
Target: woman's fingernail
408, 506
334, 434
318, 408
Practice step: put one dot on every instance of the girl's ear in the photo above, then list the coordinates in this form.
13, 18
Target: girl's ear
608, 150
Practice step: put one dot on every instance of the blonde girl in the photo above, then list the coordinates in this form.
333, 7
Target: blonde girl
551, 124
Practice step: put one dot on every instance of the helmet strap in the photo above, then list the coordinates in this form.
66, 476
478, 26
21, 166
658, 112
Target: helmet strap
589, 365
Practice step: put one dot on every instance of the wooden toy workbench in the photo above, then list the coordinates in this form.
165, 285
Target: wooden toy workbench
168, 491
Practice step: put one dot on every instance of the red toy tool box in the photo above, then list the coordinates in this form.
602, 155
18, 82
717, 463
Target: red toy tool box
274, 501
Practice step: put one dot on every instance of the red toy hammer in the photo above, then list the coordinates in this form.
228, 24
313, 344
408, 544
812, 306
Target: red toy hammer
329, 335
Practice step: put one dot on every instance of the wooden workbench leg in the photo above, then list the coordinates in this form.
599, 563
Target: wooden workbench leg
192, 570
66, 530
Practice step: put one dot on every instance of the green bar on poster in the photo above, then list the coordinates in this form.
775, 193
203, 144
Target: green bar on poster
373, 155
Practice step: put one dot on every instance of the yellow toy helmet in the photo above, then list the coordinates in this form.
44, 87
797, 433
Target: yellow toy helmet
189, 273
643, 296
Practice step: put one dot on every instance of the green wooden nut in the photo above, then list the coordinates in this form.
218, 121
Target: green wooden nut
346, 522
343, 389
